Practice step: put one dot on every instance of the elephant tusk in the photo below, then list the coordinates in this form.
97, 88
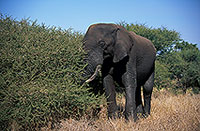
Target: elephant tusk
98, 68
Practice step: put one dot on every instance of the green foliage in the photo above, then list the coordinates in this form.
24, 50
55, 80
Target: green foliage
182, 45
162, 76
40, 72
184, 66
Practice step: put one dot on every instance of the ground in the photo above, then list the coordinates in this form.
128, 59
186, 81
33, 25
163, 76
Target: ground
169, 112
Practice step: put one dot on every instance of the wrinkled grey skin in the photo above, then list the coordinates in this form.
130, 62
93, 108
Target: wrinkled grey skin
126, 58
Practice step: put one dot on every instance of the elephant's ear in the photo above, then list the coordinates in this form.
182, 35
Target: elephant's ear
123, 44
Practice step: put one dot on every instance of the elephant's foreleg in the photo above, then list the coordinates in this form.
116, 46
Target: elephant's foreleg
130, 82
109, 86
147, 92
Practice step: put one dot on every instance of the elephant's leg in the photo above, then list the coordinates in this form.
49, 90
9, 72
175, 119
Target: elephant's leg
147, 91
109, 86
139, 105
130, 83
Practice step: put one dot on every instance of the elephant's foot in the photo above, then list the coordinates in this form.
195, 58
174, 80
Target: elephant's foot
135, 115
146, 111
112, 112
131, 116
140, 111
117, 113
145, 114
113, 115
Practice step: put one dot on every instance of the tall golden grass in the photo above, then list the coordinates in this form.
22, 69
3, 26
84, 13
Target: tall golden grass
169, 112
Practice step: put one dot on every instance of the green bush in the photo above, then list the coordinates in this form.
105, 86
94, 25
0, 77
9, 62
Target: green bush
184, 66
40, 72
162, 76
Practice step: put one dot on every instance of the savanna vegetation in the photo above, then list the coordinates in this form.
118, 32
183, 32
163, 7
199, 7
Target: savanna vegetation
169, 112
41, 68
40, 73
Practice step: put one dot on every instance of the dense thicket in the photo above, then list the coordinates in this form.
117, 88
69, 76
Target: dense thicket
177, 64
40, 72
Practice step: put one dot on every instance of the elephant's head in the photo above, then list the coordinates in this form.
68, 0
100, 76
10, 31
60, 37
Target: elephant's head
104, 41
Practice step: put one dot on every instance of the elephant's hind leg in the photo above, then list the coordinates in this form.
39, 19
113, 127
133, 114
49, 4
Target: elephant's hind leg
147, 92
139, 105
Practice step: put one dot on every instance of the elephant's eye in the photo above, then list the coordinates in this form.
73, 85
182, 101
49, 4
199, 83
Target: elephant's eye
102, 43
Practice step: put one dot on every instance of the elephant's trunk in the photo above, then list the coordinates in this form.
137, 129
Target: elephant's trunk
94, 59
98, 68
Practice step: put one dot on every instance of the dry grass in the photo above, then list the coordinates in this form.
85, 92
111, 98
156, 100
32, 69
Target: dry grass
169, 112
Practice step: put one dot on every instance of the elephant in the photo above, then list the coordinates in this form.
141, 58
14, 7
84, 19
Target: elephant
125, 58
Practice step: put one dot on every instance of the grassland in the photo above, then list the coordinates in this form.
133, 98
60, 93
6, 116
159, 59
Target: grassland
169, 112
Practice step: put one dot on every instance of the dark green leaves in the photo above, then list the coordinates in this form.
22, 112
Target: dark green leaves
40, 72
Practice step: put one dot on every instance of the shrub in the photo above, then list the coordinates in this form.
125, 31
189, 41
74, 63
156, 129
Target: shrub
184, 66
162, 77
40, 72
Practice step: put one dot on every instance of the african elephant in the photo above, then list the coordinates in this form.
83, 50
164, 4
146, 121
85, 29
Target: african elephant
123, 57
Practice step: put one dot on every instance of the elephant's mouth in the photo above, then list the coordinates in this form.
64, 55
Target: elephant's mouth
98, 69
